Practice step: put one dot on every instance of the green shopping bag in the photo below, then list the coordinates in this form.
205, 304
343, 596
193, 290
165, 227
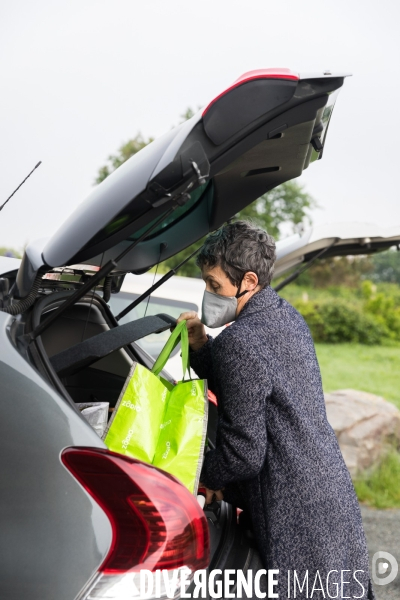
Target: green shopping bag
161, 423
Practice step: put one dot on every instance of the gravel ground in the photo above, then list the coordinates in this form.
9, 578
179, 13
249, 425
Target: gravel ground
382, 529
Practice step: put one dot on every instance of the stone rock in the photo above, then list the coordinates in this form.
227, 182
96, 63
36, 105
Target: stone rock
364, 425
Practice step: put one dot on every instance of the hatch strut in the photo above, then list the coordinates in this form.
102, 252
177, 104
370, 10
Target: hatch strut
297, 273
156, 285
104, 271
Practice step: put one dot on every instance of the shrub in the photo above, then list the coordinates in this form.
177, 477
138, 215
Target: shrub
383, 307
338, 321
369, 314
312, 316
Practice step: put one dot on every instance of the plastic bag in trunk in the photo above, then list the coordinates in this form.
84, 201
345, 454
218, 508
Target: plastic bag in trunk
96, 413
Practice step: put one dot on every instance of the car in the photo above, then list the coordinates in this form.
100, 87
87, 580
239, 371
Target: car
77, 521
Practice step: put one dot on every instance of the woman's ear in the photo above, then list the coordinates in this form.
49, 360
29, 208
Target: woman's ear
250, 280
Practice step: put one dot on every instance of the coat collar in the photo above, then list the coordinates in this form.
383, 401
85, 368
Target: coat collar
265, 298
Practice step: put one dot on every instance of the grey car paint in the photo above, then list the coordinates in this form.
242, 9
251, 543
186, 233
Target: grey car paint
53, 534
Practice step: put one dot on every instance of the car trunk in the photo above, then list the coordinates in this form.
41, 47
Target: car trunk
232, 543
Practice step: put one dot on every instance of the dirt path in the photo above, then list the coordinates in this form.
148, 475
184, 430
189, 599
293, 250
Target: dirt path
382, 528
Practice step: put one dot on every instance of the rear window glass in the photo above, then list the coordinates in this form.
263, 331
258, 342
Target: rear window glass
202, 193
154, 343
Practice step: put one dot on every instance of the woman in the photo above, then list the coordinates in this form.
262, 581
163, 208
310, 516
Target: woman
276, 455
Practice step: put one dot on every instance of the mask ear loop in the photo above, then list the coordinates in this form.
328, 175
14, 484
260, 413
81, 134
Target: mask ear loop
241, 293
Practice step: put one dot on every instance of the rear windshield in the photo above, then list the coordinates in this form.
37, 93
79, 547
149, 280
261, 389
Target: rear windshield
203, 193
154, 343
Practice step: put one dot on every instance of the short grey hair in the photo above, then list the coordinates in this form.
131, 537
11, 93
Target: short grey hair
237, 248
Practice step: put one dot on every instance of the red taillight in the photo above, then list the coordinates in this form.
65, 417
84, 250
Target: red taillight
274, 73
156, 523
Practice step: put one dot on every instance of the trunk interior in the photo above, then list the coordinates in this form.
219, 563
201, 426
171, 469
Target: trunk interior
231, 537
102, 381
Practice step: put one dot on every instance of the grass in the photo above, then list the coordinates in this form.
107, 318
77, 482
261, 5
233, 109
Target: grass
374, 369
379, 487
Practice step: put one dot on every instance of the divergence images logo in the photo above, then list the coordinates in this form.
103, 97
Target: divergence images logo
382, 563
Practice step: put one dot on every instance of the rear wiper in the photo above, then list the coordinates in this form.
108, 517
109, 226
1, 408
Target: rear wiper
156, 285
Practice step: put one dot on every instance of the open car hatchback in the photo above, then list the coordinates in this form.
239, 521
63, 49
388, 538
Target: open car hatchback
70, 529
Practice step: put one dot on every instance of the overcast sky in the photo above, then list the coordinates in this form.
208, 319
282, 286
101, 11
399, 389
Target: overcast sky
81, 77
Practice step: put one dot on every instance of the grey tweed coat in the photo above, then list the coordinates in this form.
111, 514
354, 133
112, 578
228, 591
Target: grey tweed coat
277, 455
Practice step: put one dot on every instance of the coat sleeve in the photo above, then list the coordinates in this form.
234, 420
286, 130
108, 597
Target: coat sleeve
244, 385
201, 362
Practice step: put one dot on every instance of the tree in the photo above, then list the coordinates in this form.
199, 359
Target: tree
351, 271
288, 203
10, 252
386, 267
348, 271
124, 152
188, 114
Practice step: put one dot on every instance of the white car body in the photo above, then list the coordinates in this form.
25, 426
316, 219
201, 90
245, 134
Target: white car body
173, 297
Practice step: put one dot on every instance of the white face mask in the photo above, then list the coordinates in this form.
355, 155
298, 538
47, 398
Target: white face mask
217, 310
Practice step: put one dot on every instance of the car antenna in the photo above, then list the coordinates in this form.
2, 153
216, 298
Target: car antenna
22, 183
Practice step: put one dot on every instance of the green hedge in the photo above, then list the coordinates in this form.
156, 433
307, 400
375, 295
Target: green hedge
367, 315
338, 321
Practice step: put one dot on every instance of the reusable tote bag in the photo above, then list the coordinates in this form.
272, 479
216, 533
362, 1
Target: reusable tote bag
161, 423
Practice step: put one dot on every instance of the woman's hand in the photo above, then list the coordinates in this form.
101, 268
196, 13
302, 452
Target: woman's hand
196, 329
212, 495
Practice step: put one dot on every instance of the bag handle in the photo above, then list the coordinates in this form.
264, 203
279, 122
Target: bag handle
180, 332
